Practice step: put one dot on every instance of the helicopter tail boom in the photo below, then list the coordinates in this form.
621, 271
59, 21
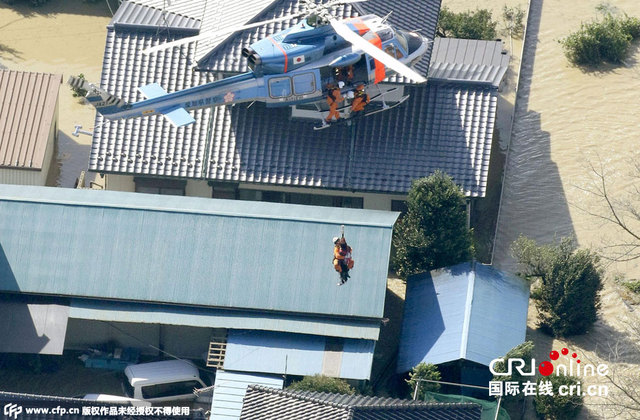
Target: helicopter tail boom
102, 100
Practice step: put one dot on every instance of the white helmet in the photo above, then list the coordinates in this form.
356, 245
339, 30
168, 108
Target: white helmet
335, 239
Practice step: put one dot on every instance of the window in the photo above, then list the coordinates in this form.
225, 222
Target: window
228, 191
304, 84
160, 186
170, 389
280, 87
302, 198
389, 49
399, 205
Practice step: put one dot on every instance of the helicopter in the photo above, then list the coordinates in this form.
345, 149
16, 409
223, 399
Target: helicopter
298, 65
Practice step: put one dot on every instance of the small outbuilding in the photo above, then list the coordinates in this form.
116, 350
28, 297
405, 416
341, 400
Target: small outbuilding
461, 318
28, 125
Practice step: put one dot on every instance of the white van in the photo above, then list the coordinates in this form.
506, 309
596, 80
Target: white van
162, 381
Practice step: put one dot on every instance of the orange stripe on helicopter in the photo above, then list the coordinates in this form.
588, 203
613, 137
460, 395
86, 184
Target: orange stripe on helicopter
362, 29
286, 59
359, 25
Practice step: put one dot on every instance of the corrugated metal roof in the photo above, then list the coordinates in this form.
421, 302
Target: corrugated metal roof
28, 104
468, 311
268, 403
134, 16
191, 251
297, 354
469, 61
230, 389
137, 312
445, 126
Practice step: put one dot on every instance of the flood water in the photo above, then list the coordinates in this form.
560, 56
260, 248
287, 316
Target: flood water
65, 37
566, 121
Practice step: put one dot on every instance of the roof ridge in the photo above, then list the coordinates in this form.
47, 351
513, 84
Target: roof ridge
315, 396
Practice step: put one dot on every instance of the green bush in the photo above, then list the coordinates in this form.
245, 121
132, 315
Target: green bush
434, 231
607, 40
424, 371
514, 19
633, 286
556, 406
467, 25
567, 295
320, 383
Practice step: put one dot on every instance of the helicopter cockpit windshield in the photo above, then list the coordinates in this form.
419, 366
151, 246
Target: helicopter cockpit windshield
410, 42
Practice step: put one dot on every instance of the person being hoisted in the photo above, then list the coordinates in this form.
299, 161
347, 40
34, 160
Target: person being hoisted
360, 100
342, 259
334, 97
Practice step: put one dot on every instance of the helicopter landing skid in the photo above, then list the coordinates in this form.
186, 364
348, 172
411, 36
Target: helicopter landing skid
366, 114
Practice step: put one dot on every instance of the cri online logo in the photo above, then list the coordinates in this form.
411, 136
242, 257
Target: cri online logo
546, 368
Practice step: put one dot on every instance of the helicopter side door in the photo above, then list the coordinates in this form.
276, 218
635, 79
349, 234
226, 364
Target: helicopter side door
293, 88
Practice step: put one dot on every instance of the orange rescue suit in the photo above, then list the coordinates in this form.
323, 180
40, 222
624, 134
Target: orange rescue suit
333, 99
342, 255
359, 102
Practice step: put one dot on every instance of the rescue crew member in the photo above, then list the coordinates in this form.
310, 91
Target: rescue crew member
361, 99
334, 97
342, 259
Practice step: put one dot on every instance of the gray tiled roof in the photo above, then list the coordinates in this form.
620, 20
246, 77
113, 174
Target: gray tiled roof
267, 403
446, 126
136, 16
468, 60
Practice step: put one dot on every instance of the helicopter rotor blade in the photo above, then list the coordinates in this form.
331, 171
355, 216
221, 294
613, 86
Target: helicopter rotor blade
375, 52
213, 34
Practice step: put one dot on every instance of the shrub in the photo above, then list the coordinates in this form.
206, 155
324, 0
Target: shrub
513, 18
607, 40
434, 231
468, 25
424, 371
321, 383
556, 406
567, 296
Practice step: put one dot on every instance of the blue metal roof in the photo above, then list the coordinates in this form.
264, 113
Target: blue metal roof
469, 311
190, 251
230, 389
297, 354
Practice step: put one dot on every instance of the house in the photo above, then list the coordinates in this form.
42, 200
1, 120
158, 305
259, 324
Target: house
28, 125
267, 403
254, 153
461, 318
251, 285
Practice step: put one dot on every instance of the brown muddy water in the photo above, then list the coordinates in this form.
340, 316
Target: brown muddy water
65, 37
566, 120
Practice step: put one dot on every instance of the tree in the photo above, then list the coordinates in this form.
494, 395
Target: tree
522, 351
467, 25
556, 406
513, 18
424, 371
77, 91
606, 40
434, 231
321, 383
567, 294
